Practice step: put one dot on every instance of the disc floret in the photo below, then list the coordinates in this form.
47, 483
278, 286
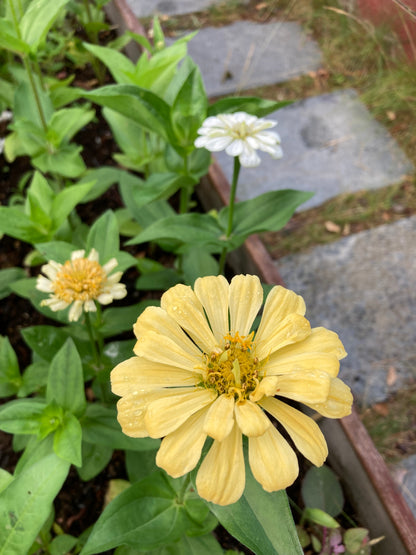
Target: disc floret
235, 369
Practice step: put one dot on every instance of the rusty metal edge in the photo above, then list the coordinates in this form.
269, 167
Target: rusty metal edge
253, 257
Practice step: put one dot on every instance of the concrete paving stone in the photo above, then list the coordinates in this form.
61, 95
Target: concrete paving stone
331, 145
247, 54
363, 287
405, 475
144, 8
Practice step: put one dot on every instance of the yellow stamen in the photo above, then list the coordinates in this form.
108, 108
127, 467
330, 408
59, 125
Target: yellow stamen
80, 279
235, 370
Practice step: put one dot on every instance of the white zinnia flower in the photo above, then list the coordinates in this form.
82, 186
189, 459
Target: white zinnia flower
240, 134
79, 282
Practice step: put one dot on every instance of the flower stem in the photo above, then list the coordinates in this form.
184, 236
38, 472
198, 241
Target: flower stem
92, 340
184, 194
231, 204
184, 489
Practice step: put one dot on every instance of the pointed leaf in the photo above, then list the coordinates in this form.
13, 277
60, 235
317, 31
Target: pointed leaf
10, 378
26, 503
104, 237
67, 440
66, 380
38, 19
259, 107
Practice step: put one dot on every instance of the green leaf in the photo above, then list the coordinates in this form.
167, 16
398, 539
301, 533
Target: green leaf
7, 276
118, 64
117, 351
145, 515
66, 381
100, 426
67, 440
5, 479
21, 416
141, 105
66, 161
260, 520
158, 186
26, 503
45, 341
103, 237
158, 281
192, 229
15, 223
140, 464
59, 251
197, 263
321, 490
10, 41
94, 459
34, 378
259, 107
267, 212
66, 200
10, 378
355, 539
39, 199
102, 178
189, 107
65, 123
38, 19
62, 545
117, 320
320, 517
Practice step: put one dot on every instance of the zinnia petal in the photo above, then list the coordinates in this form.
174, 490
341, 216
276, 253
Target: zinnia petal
165, 415
292, 329
180, 451
320, 340
221, 476
251, 419
154, 318
219, 419
283, 364
304, 431
181, 303
139, 374
245, 300
279, 304
338, 403
272, 461
209, 290
162, 349
304, 386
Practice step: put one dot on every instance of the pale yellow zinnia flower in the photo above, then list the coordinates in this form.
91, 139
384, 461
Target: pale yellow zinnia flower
79, 283
200, 371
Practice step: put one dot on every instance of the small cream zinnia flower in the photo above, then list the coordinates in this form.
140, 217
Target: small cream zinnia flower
240, 134
79, 282
199, 371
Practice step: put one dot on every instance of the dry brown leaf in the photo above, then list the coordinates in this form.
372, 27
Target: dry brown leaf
391, 115
391, 376
346, 230
332, 227
261, 5
381, 408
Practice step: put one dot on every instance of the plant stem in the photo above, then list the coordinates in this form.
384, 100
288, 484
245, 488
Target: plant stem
184, 196
183, 490
231, 204
92, 340
28, 69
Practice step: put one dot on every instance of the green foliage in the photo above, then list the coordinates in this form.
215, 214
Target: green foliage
26, 503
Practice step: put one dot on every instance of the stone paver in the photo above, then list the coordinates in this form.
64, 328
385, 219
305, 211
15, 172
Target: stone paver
246, 55
143, 8
363, 287
331, 145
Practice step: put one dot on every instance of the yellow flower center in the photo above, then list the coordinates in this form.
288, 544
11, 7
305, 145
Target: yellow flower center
79, 280
241, 132
235, 370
